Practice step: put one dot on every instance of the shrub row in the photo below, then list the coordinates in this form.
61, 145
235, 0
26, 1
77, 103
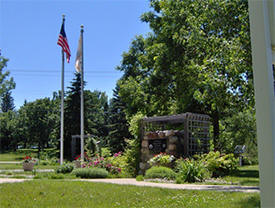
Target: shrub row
90, 172
199, 168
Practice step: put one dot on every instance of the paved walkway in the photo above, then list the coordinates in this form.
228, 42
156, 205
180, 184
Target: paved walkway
9, 162
21, 170
12, 180
132, 181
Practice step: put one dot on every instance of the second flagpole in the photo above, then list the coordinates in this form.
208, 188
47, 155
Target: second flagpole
62, 106
82, 98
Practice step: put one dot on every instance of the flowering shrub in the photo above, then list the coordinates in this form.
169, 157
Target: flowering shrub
78, 158
29, 159
162, 159
101, 162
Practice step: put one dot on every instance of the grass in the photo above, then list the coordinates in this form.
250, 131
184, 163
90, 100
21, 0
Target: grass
58, 193
19, 166
246, 176
12, 156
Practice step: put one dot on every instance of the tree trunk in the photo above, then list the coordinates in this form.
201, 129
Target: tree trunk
39, 149
216, 130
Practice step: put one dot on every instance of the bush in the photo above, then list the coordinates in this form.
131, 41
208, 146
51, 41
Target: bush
160, 172
219, 164
162, 159
190, 170
132, 151
139, 178
105, 163
44, 162
247, 160
90, 173
132, 155
66, 168
55, 176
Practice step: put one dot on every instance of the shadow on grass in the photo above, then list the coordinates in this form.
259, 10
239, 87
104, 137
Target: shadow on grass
247, 173
249, 183
251, 202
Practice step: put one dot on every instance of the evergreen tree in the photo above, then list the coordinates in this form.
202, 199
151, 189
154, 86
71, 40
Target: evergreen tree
6, 85
72, 115
95, 105
7, 102
118, 123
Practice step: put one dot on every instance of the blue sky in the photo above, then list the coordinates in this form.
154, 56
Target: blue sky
28, 38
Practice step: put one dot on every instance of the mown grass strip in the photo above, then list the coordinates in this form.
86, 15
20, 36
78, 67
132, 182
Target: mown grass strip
48, 193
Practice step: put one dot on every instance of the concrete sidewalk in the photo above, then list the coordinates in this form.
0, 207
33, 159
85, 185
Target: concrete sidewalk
21, 170
12, 180
132, 181
10, 162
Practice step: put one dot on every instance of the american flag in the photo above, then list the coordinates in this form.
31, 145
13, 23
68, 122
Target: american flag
62, 41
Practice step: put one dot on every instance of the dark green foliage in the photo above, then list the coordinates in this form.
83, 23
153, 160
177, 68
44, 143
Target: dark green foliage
190, 170
72, 115
39, 119
198, 52
219, 164
91, 173
240, 129
6, 85
160, 172
56, 176
8, 132
140, 178
95, 110
66, 168
118, 124
7, 102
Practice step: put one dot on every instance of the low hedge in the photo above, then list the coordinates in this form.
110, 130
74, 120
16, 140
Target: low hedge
91, 172
160, 172
66, 168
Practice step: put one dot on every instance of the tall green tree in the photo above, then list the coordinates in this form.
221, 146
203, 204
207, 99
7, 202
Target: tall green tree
40, 120
7, 102
95, 106
6, 85
197, 58
8, 133
118, 124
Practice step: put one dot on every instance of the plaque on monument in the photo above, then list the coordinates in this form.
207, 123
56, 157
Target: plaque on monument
157, 145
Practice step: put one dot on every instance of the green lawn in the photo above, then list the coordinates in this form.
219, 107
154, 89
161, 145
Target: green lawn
55, 193
246, 176
12, 156
18, 157
19, 166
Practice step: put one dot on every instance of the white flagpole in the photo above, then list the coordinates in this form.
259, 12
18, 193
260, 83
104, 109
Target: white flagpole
62, 105
82, 99
262, 27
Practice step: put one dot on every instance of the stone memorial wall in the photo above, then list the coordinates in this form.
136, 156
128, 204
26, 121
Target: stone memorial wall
153, 143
